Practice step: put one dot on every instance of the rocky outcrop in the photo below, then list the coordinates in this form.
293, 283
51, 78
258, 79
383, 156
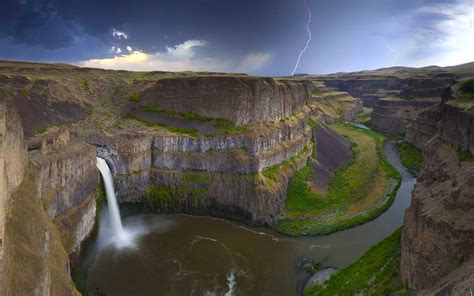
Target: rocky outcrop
229, 166
439, 225
13, 154
393, 116
454, 125
35, 261
66, 182
243, 100
329, 106
13, 160
368, 88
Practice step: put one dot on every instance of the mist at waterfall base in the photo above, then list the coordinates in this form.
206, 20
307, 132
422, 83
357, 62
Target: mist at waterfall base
172, 254
111, 231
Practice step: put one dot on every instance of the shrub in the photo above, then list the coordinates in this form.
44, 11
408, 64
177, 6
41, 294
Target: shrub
467, 86
134, 97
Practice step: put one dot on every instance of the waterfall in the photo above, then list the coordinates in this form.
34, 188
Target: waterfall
114, 212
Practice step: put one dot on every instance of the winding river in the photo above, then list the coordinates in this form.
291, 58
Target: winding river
186, 255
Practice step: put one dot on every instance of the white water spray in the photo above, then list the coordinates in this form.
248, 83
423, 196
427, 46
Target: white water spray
114, 212
307, 41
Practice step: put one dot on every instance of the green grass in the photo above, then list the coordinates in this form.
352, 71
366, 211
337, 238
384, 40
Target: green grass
272, 172
364, 116
42, 129
183, 130
154, 109
225, 126
410, 157
375, 273
190, 192
85, 84
26, 93
467, 86
308, 212
5, 92
196, 117
135, 97
465, 155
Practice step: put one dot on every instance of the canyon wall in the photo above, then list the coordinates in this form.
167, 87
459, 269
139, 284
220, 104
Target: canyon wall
368, 88
242, 100
226, 168
438, 231
49, 178
34, 261
393, 116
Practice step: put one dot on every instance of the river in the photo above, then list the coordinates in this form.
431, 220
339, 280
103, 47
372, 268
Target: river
187, 255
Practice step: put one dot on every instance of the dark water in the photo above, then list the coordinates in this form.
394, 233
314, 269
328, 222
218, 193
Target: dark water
184, 255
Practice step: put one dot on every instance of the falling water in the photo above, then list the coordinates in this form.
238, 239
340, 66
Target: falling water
114, 212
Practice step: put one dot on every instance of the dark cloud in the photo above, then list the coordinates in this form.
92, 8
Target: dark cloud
344, 31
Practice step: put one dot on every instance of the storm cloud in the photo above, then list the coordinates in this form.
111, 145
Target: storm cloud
261, 36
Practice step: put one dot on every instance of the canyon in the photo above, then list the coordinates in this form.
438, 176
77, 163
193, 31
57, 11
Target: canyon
204, 144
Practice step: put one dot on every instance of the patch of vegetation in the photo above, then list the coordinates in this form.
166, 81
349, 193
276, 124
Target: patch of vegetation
79, 273
354, 189
364, 116
154, 109
196, 117
5, 91
183, 130
225, 126
410, 157
85, 84
377, 272
101, 196
272, 172
465, 155
190, 193
41, 129
467, 86
25, 92
134, 97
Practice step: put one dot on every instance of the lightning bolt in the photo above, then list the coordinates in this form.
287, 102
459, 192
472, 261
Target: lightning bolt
307, 41
396, 52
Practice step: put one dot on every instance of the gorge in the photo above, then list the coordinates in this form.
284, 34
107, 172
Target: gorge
232, 184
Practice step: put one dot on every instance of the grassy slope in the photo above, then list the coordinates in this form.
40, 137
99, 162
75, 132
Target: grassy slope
364, 116
410, 156
352, 194
375, 273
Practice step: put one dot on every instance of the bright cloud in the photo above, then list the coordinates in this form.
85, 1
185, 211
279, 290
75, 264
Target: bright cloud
253, 62
119, 34
447, 41
181, 57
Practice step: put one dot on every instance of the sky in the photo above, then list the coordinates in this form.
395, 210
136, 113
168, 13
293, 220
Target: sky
262, 37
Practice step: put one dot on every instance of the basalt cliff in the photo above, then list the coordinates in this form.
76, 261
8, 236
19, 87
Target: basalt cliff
202, 138
202, 142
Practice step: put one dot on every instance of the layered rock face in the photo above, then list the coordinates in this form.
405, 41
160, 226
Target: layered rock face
439, 225
226, 167
34, 260
453, 125
368, 88
242, 100
13, 160
393, 116
330, 106
438, 232
49, 205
